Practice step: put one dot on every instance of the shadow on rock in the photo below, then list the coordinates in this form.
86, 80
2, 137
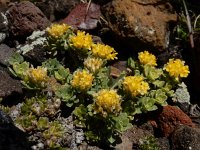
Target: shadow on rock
12, 138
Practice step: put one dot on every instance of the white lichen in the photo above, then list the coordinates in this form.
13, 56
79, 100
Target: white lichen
36, 39
181, 94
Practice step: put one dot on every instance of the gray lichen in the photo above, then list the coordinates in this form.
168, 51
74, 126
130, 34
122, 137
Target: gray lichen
2, 36
181, 94
36, 39
3, 27
3, 22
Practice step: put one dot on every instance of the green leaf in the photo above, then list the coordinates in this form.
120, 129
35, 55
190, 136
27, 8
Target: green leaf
146, 104
20, 69
117, 82
80, 112
15, 58
66, 94
131, 63
152, 73
158, 83
122, 122
111, 139
52, 65
62, 74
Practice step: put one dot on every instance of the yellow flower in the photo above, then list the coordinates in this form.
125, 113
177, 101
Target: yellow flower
82, 80
93, 64
176, 68
134, 85
57, 30
37, 76
104, 51
81, 40
107, 101
146, 58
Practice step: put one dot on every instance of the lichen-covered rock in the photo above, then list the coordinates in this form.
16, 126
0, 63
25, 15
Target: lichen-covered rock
3, 27
141, 22
24, 18
33, 50
170, 118
8, 85
186, 138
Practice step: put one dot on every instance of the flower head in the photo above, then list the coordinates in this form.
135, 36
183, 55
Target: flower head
176, 68
146, 58
81, 40
103, 51
107, 101
57, 30
82, 80
93, 64
37, 76
135, 85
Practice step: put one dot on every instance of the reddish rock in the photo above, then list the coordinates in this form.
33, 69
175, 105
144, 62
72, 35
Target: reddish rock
84, 16
56, 9
170, 118
141, 22
24, 18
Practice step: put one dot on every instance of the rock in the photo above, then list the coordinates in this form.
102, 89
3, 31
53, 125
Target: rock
3, 27
132, 137
163, 143
82, 18
101, 2
5, 53
4, 5
8, 85
24, 18
4, 119
186, 138
33, 50
126, 144
170, 118
56, 9
137, 23
85, 146
12, 138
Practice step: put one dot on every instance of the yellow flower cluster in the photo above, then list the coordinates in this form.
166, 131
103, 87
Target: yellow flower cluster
82, 80
81, 40
146, 58
176, 68
135, 85
37, 76
57, 30
107, 101
93, 64
104, 52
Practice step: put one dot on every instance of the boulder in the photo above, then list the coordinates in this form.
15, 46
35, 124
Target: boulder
12, 138
5, 53
9, 86
24, 18
141, 24
84, 16
170, 118
185, 138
